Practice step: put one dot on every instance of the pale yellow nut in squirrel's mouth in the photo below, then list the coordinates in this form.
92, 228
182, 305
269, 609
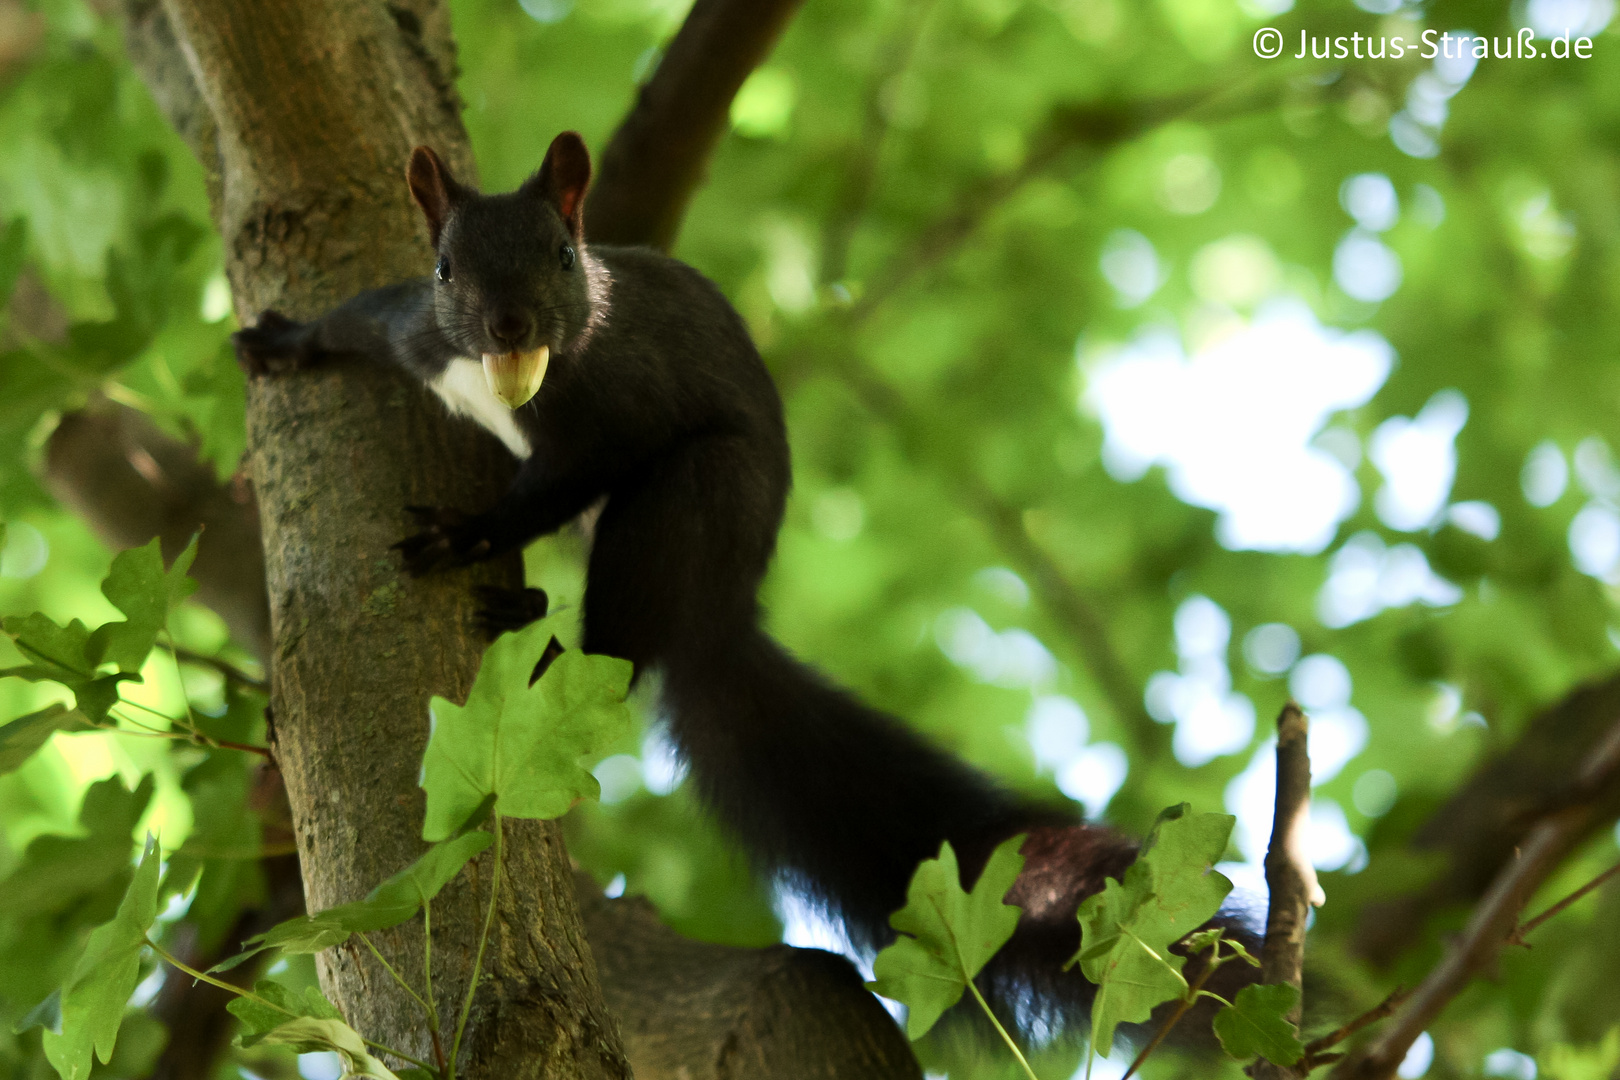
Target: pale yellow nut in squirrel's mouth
514, 377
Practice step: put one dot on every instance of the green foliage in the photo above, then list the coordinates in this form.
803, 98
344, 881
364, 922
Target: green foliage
309, 1035
947, 935
1257, 1023
13, 250
272, 1005
139, 587
73, 655
523, 743
94, 997
1127, 929
1593, 1062
20, 738
306, 1023
945, 458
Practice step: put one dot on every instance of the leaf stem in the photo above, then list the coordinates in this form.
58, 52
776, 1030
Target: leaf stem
407, 987
478, 960
1194, 991
192, 736
1029, 1072
427, 977
230, 671
202, 976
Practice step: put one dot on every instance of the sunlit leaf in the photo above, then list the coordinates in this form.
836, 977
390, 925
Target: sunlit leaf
1128, 928
94, 998
947, 934
20, 738
1257, 1023
523, 743
389, 904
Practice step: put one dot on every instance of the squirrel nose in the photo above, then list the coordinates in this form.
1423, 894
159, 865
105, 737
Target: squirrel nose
508, 328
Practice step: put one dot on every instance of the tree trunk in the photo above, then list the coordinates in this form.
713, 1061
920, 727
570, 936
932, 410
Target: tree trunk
314, 107
692, 1011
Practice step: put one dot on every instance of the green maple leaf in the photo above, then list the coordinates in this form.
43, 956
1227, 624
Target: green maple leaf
307, 1034
272, 1005
1257, 1023
307, 1023
138, 586
948, 935
522, 743
389, 904
55, 652
26, 734
1128, 928
68, 881
94, 998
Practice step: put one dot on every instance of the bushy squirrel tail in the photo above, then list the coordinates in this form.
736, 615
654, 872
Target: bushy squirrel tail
843, 801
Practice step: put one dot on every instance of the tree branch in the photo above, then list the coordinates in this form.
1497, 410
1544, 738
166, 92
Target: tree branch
1095, 128
693, 1011
317, 104
861, 171
1290, 877
1486, 820
1496, 917
658, 157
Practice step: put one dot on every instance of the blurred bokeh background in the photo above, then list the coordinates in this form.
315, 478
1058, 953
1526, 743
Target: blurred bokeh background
1135, 384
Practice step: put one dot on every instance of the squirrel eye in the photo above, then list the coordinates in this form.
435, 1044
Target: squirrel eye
442, 271
567, 257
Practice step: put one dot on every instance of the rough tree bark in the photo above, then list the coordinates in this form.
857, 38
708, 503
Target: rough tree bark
313, 107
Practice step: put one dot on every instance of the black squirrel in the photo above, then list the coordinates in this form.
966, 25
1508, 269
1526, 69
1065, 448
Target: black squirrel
622, 373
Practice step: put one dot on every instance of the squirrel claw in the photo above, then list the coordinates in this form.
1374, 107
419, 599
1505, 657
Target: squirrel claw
274, 346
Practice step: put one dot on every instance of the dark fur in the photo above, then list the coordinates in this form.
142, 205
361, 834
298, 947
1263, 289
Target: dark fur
657, 399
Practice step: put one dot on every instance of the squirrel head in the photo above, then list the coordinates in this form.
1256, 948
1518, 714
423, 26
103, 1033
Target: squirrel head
511, 281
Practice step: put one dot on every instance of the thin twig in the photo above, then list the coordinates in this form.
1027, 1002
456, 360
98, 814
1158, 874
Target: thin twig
192, 736
1093, 127
1494, 919
1315, 1050
231, 672
1517, 937
1181, 1010
1078, 612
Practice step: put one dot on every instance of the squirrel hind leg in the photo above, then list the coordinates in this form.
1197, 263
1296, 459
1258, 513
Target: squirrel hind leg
274, 346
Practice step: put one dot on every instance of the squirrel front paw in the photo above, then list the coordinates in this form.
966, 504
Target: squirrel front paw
448, 538
502, 611
275, 346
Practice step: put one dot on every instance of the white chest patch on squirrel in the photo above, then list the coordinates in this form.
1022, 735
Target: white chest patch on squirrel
465, 392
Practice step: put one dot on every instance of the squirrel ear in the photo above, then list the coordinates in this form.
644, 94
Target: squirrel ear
433, 188
562, 179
